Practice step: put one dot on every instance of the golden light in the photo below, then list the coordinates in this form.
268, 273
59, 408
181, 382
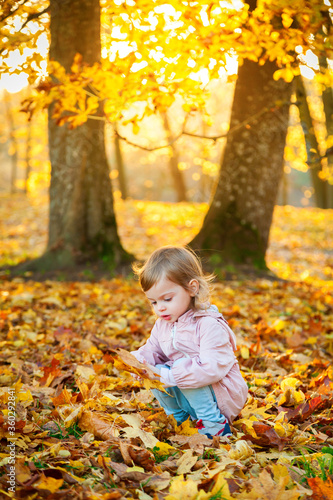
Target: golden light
13, 83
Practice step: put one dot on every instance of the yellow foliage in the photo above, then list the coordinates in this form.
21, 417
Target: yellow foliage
181, 489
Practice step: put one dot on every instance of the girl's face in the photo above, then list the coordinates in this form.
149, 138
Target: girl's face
171, 300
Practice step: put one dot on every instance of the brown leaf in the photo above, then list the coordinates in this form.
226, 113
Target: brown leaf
139, 456
266, 436
143, 458
304, 410
99, 424
127, 362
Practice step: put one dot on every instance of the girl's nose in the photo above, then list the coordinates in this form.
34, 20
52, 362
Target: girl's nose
161, 307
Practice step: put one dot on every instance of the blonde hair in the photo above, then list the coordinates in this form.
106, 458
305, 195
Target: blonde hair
179, 265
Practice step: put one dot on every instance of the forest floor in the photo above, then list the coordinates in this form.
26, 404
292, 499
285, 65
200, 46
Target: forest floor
85, 428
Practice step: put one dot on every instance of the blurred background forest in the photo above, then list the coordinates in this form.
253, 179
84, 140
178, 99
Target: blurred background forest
204, 116
147, 175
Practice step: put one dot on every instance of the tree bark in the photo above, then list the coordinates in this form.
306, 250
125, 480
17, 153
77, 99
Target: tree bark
82, 221
236, 227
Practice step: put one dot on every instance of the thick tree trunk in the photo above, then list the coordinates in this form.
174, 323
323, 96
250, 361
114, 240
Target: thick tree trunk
236, 227
82, 221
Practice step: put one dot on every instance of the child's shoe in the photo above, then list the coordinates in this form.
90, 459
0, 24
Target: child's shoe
211, 429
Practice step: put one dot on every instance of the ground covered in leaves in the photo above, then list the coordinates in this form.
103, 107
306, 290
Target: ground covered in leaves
85, 428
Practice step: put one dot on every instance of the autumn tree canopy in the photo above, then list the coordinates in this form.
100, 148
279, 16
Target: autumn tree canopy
153, 51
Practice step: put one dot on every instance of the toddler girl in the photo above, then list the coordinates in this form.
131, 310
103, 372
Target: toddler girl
191, 346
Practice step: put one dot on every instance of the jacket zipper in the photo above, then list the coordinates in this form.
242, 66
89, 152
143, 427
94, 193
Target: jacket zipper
173, 334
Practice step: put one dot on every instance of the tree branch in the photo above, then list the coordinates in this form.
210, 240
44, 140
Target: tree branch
35, 15
12, 13
214, 138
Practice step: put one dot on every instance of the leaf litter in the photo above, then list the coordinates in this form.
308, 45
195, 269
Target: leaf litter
87, 428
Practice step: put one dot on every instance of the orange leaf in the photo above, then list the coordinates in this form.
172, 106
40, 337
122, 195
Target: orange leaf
321, 490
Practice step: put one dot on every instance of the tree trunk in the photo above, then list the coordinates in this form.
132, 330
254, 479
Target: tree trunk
176, 174
13, 142
236, 227
82, 221
328, 110
206, 180
28, 157
284, 190
327, 98
311, 144
120, 166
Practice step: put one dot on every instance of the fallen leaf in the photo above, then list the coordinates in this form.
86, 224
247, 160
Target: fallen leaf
321, 490
186, 462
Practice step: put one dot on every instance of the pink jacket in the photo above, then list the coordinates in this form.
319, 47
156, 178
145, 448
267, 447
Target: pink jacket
205, 344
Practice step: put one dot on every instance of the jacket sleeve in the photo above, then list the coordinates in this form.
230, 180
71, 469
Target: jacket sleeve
214, 360
151, 351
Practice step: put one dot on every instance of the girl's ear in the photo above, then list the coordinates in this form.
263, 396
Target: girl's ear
193, 287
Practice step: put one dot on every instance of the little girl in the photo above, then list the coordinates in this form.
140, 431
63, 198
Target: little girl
191, 346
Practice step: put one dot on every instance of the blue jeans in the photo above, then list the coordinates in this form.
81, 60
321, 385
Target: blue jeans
199, 403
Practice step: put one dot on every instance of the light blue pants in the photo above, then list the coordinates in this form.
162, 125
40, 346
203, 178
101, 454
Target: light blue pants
199, 403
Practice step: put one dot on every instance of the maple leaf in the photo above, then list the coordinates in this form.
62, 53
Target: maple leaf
50, 372
266, 436
265, 488
99, 424
303, 411
48, 483
127, 362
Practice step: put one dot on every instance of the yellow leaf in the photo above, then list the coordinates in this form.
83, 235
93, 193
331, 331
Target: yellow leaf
259, 382
286, 74
183, 490
245, 352
135, 468
278, 325
240, 450
221, 489
48, 483
25, 396
287, 20
290, 382
284, 430
162, 449
311, 340
185, 428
